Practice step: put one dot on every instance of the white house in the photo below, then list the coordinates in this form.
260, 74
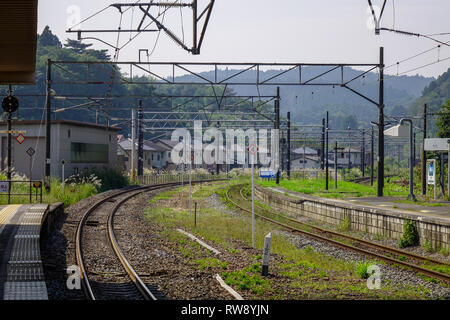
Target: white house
82, 146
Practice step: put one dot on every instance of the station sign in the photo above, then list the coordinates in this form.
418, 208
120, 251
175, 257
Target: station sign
437, 144
268, 173
431, 171
4, 187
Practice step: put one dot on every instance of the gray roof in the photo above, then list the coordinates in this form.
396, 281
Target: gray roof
307, 151
169, 143
156, 147
126, 145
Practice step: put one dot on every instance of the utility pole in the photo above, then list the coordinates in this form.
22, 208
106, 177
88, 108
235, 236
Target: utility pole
381, 126
289, 145
363, 154
424, 159
277, 129
371, 158
414, 150
140, 168
8, 174
322, 159
48, 126
133, 144
326, 154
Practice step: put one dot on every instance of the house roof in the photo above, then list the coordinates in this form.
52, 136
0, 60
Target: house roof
127, 144
306, 150
157, 147
18, 41
168, 142
66, 122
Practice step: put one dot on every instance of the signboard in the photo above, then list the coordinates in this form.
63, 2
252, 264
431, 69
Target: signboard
431, 171
20, 138
436, 144
13, 131
4, 187
31, 152
268, 173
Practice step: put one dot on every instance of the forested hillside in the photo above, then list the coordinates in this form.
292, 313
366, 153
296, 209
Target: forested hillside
308, 104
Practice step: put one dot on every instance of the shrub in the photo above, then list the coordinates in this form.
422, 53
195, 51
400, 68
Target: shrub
361, 269
410, 235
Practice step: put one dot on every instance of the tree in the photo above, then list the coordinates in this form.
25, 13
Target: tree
48, 39
77, 46
443, 122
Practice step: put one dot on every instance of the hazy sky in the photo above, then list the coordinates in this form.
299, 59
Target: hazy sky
325, 31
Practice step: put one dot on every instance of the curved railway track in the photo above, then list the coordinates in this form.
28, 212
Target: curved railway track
117, 280
365, 247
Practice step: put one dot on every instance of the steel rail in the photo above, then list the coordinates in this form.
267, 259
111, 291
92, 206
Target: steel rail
365, 242
87, 288
428, 272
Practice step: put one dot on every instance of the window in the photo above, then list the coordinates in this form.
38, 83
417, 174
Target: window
88, 153
159, 157
170, 155
153, 157
75, 170
68, 133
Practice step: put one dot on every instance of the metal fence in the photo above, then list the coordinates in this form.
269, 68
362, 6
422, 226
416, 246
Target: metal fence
167, 178
13, 188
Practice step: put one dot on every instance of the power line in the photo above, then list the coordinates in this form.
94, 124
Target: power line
426, 65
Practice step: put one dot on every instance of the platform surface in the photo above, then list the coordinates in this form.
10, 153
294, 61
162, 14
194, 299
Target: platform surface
21, 266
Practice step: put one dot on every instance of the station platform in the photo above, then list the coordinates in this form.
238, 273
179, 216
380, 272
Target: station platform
21, 270
436, 209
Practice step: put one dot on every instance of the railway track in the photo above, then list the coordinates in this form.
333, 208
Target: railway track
105, 272
371, 249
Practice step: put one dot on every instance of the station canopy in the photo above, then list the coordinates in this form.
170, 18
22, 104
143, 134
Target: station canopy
18, 37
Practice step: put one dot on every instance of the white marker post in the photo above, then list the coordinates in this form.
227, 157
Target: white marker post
265, 263
252, 150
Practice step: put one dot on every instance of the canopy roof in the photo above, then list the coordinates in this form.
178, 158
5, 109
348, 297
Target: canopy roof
18, 37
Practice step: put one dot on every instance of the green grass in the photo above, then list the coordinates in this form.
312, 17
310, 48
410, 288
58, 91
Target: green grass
248, 279
317, 275
345, 188
72, 193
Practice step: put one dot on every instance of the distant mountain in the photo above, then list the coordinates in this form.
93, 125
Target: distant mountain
434, 95
308, 104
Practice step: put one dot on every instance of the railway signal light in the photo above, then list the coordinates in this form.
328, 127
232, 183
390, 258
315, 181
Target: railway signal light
10, 104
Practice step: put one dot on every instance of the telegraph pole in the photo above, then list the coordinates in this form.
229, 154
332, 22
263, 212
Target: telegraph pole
289, 145
48, 126
322, 159
424, 159
326, 154
8, 174
381, 126
363, 154
140, 168
277, 129
133, 144
371, 158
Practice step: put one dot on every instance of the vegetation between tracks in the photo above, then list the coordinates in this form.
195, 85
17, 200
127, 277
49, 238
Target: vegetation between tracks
294, 273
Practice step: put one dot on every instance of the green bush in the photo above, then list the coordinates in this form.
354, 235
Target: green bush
410, 235
110, 179
361, 269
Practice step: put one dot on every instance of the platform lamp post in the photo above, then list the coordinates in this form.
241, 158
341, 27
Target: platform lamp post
400, 131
